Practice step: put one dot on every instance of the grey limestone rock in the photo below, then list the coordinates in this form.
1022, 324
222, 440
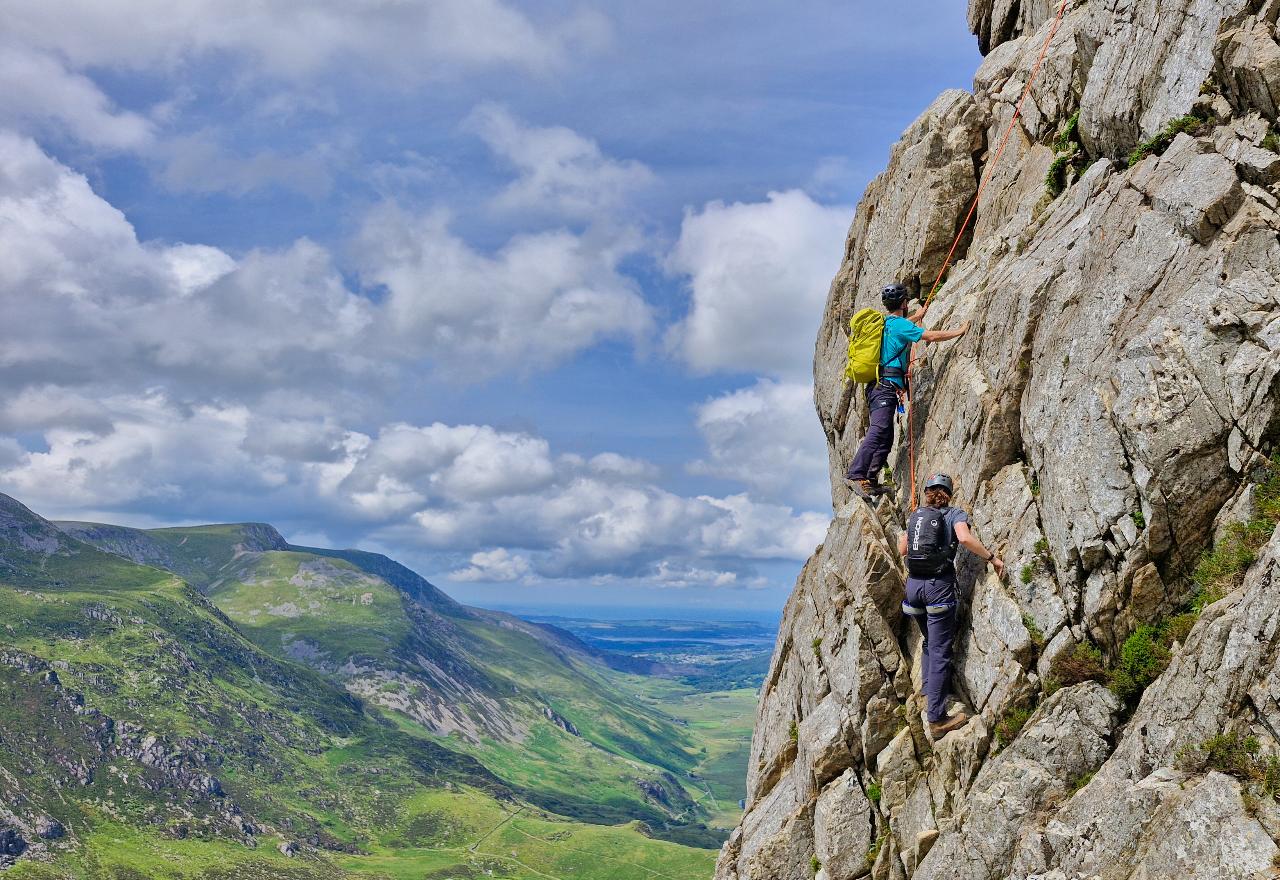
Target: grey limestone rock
48, 828
996, 21
1248, 61
843, 828
1105, 419
1153, 56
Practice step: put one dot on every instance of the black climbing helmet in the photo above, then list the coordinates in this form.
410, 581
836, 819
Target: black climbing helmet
894, 295
940, 481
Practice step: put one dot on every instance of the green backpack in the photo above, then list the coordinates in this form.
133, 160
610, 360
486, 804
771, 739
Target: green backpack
866, 332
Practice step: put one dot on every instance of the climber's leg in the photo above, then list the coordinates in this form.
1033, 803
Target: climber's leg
941, 613
882, 400
914, 607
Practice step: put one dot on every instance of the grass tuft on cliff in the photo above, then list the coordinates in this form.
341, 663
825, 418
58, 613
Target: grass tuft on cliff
1070, 160
1192, 125
1238, 756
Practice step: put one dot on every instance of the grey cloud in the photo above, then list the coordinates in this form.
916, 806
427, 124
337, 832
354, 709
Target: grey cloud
300, 38
560, 171
198, 163
37, 89
296, 440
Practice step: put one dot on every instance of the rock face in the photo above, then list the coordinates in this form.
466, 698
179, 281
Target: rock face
1108, 415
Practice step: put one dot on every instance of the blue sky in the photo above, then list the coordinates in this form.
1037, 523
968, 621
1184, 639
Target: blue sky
523, 294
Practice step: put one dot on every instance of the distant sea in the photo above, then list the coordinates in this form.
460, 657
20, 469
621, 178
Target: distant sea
649, 613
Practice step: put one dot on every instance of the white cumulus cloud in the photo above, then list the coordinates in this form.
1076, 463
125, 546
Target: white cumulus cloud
538, 299
768, 438
493, 566
504, 498
85, 301
37, 89
758, 277
560, 171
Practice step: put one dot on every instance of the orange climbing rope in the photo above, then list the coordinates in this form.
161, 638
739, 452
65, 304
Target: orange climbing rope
982, 185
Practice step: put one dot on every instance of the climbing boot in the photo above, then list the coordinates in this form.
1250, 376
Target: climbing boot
866, 489
939, 729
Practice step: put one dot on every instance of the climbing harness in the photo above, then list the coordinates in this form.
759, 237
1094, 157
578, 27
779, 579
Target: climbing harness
922, 610
964, 227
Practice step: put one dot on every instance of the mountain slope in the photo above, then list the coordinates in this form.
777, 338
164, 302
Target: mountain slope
1110, 420
533, 704
142, 735
130, 689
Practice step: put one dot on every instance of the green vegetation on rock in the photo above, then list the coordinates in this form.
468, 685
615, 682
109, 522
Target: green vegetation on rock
1070, 158
1147, 651
1238, 756
1143, 656
1192, 125
1012, 721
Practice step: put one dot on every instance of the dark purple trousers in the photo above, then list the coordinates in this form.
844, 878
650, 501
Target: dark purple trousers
932, 603
882, 400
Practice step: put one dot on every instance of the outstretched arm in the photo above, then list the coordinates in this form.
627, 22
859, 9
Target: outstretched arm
902, 544
944, 335
974, 546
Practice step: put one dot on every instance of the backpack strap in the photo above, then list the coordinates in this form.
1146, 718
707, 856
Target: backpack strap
888, 372
952, 544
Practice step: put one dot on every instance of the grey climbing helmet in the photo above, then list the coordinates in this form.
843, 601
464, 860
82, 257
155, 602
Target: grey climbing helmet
940, 481
894, 295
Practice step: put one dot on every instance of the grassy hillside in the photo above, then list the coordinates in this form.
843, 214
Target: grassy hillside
531, 703
722, 723
146, 736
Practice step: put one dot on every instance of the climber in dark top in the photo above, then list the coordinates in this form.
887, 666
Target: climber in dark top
885, 395
929, 544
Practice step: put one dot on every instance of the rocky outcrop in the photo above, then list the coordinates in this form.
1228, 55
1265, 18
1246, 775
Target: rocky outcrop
997, 21
1152, 60
11, 845
48, 828
560, 721
1069, 737
1107, 416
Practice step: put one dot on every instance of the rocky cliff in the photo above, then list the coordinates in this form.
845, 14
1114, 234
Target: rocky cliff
1110, 421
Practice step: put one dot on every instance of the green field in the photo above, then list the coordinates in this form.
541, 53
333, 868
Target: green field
328, 771
438, 835
301, 605
721, 722
522, 841
628, 758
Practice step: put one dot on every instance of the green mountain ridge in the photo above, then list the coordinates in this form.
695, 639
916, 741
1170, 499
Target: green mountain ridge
395, 640
184, 702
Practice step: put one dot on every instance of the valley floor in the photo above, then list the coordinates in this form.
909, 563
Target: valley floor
443, 836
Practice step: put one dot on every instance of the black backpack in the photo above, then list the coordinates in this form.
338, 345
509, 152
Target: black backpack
931, 542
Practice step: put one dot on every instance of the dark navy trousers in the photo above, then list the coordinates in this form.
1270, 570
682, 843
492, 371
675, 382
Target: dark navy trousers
882, 400
932, 602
